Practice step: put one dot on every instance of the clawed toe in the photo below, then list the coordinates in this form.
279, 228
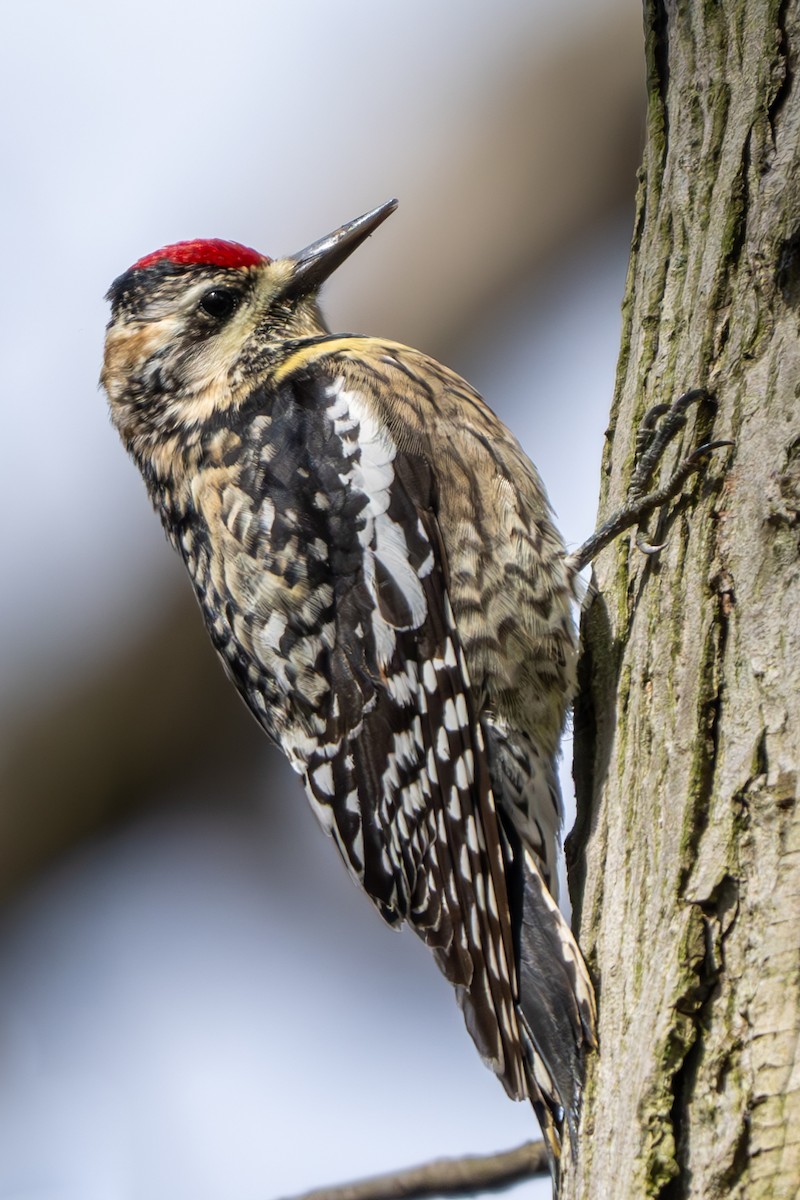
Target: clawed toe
657, 429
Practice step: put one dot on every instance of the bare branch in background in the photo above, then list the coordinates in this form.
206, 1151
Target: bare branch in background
445, 1177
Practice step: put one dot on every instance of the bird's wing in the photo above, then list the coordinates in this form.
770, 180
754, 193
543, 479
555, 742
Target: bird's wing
400, 777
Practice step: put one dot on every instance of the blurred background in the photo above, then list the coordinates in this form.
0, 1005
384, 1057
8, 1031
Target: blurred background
195, 1002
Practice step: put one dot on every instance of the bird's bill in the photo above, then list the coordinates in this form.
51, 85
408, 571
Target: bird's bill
312, 266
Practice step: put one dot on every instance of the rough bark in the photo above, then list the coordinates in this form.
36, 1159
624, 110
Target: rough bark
686, 856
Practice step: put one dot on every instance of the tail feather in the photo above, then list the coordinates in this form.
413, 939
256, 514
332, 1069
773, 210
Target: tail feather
556, 1008
555, 1005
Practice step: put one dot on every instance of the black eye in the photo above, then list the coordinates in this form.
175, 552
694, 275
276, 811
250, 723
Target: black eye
219, 302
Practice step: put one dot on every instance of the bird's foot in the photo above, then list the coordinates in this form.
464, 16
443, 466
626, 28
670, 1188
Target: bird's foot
660, 425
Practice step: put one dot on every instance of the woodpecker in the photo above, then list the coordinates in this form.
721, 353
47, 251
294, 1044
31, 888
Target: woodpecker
380, 573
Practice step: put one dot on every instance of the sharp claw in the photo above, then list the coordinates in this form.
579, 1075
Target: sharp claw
707, 448
648, 547
690, 397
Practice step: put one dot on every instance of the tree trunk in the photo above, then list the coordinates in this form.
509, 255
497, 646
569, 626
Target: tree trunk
686, 854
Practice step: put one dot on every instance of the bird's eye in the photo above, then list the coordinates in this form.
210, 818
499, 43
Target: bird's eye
219, 302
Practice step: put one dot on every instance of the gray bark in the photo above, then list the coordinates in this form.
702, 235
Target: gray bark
686, 855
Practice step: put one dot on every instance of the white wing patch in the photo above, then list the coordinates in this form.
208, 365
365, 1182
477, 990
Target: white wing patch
383, 539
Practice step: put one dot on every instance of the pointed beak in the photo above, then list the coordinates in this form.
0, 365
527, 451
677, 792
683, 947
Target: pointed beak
312, 266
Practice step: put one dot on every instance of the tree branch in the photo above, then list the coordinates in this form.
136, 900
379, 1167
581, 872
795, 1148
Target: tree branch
445, 1177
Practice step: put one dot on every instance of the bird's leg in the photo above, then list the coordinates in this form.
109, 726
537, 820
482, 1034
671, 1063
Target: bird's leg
658, 428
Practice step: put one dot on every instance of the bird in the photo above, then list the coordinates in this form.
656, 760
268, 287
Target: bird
380, 573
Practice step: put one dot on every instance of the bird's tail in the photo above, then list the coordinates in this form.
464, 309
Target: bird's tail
556, 1007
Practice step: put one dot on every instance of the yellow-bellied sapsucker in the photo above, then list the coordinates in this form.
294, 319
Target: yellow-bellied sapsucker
378, 568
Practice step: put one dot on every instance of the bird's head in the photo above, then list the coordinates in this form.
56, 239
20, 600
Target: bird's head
193, 325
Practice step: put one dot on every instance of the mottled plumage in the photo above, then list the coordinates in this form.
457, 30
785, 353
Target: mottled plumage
379, 572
